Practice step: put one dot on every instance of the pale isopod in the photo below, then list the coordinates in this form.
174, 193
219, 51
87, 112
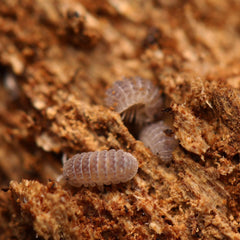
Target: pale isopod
156, 136
100, 167
134, 98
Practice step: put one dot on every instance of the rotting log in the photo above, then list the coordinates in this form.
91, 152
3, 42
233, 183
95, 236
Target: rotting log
57, 58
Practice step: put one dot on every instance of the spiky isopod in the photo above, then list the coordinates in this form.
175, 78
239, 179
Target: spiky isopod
134, 98
100, 167
156, 137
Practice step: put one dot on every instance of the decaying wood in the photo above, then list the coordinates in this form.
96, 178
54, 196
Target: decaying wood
57, 58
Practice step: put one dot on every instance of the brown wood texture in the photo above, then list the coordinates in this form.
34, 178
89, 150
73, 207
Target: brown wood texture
58, 57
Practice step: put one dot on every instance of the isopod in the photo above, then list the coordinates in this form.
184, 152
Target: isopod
135, 99
156, 137
100, 167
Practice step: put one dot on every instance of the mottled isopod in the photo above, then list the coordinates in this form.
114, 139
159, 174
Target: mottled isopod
135, 98
100, 167
156, 137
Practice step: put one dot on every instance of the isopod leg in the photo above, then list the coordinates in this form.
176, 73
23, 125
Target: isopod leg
60, 179
64, 158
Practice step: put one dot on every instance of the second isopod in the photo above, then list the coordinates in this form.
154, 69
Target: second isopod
156, 138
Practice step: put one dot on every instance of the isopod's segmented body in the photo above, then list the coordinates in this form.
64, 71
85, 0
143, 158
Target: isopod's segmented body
100, 167
160, 143
134, 98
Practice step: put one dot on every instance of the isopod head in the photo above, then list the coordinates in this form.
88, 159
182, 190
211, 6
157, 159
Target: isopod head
135, 99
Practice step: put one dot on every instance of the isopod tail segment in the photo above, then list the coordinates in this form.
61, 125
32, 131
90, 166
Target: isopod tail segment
136, 99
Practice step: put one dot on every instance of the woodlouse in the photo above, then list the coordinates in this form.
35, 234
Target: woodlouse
156, 136
135, 99
100, 167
